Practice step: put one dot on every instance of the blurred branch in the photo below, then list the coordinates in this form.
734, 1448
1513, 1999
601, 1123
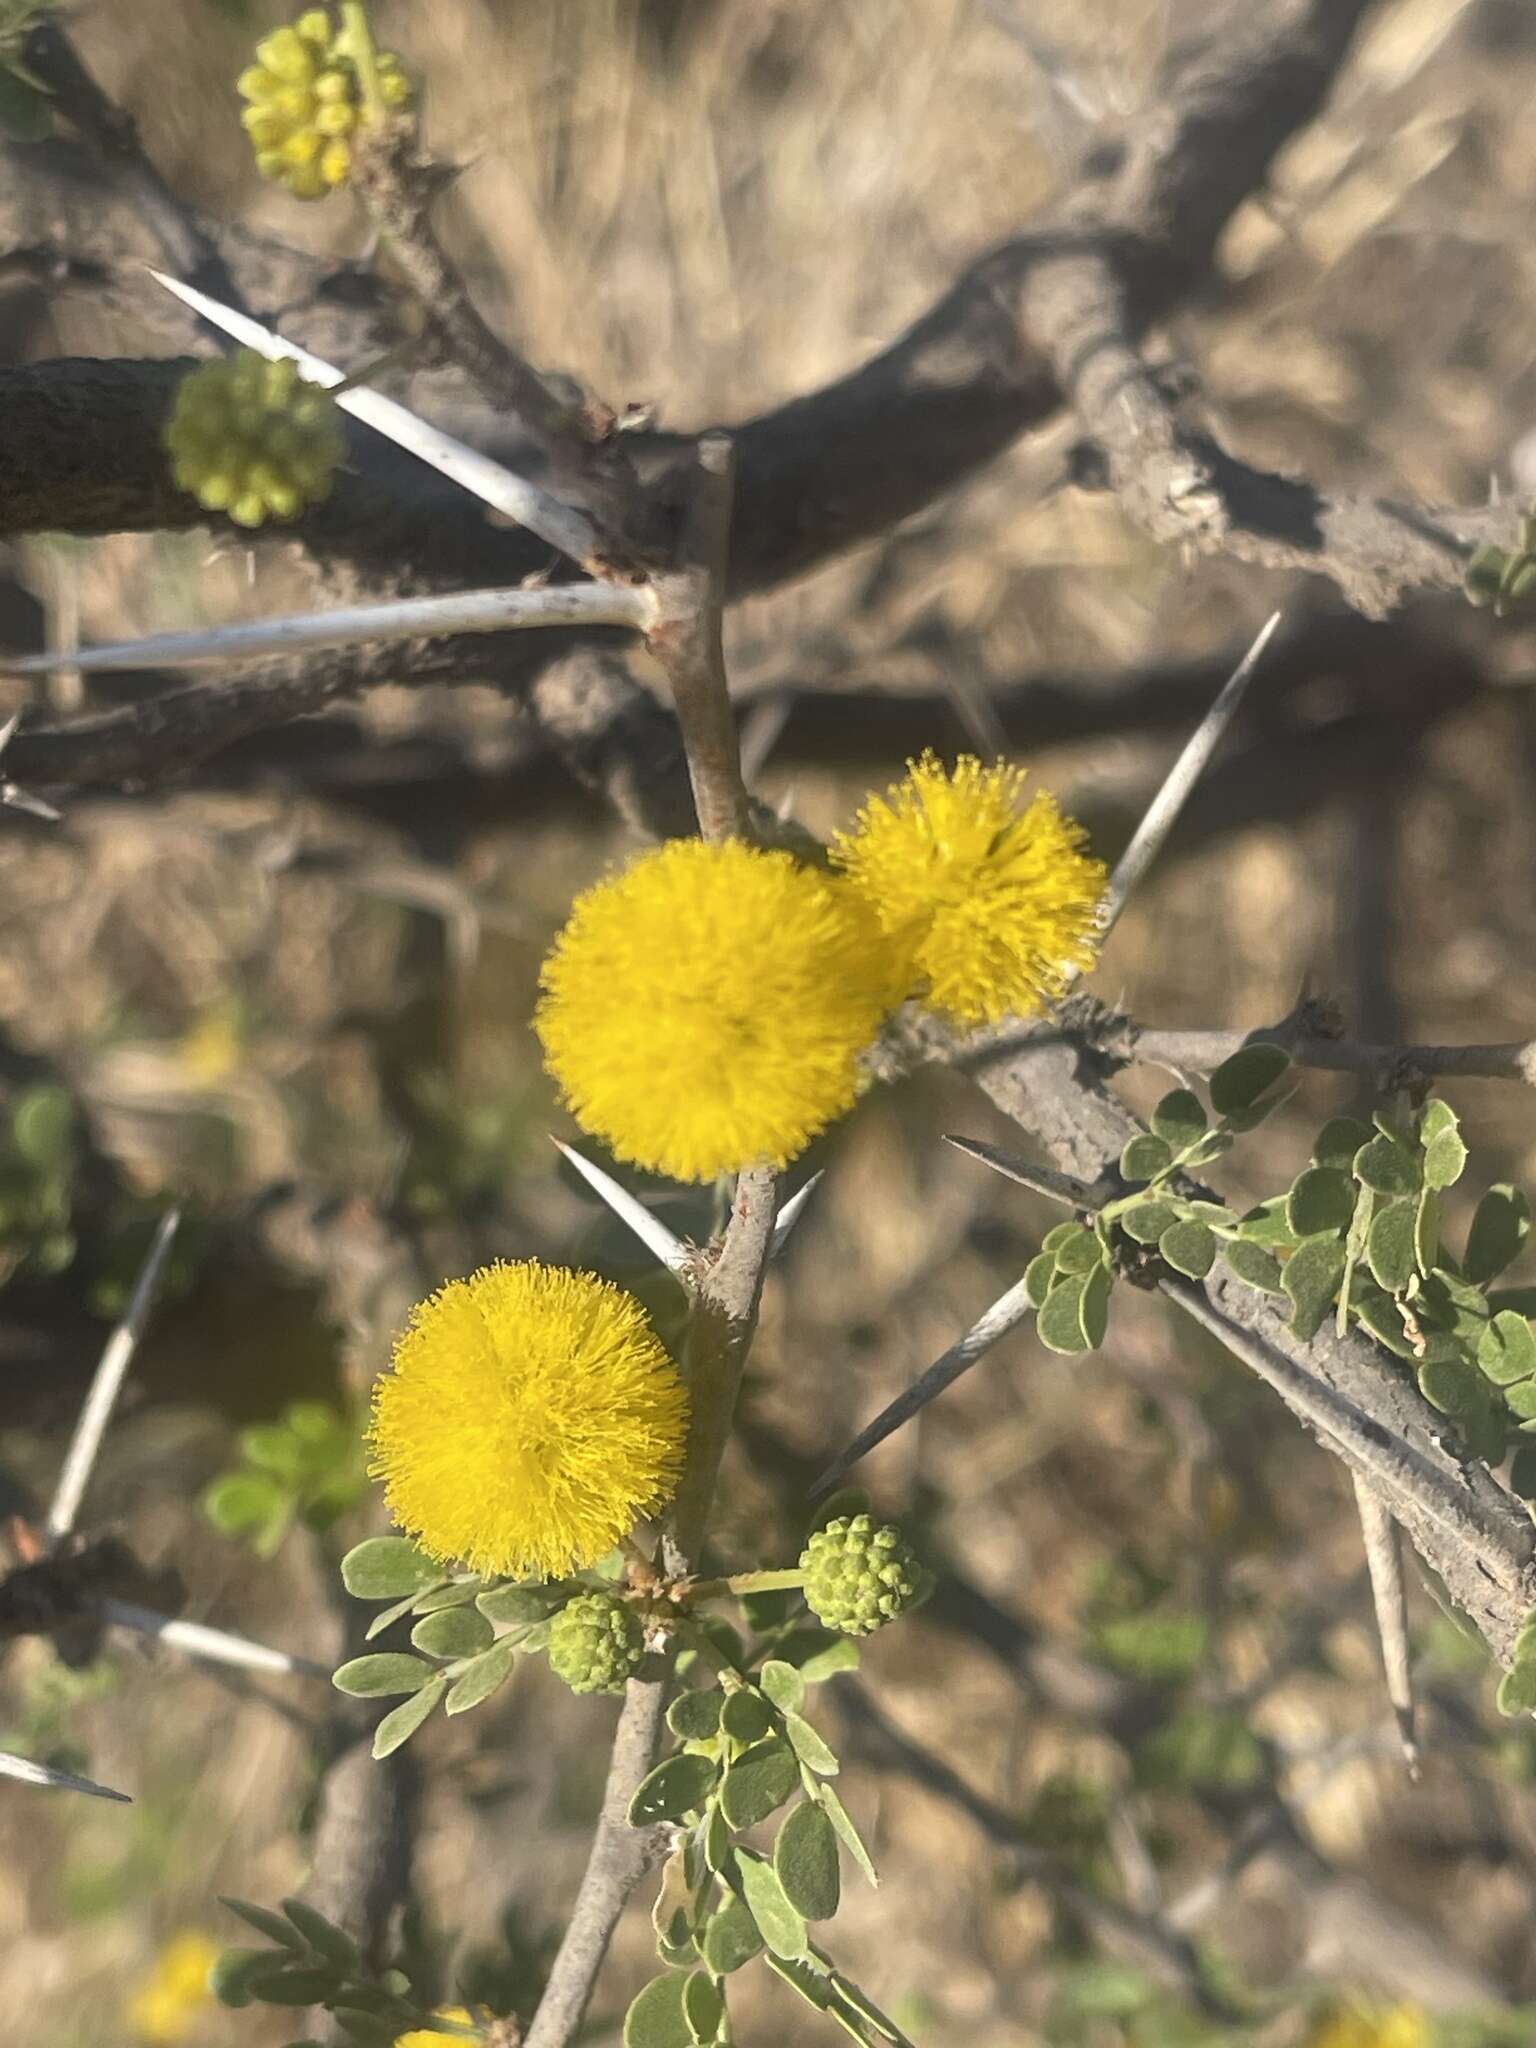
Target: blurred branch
1197, 1052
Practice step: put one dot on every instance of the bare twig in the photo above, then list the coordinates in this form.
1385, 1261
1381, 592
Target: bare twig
1197, 1052
101, 1399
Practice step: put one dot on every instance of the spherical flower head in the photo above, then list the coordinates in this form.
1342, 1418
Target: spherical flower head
253, 438
859, 1576
306, 101
1397, 2026
596, 1643
994, 907
705, 1009
432, 2037
530, 1419
173, 1998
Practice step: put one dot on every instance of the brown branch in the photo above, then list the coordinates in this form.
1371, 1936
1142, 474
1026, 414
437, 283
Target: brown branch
1197, 1052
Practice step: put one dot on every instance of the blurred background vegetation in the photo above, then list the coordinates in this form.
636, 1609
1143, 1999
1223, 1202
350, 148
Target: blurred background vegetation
297, 995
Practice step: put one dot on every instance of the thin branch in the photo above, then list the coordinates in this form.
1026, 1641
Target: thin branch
469, 611
564, 528
101, 1399
1198, 1052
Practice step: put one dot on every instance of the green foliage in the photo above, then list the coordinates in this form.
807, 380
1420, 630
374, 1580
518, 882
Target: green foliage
37, 1167
307, 1467
309, 1960
1503, 578
25, 112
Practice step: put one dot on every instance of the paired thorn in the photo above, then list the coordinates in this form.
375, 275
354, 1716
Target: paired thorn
1384, 1560
1041, 1180
790, 1215
561, 525
12, 796
214, 1645
662, 1243
107, 1384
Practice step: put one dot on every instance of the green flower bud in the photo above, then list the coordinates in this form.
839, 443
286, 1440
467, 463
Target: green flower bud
253, 439
306, 99
596, 1642
858, 1577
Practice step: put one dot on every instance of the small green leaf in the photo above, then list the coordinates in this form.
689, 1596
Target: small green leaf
1239, 1082
388, 1568
1520, 1399
783, 1684
1321, 1199
399, 1726
292, 1986
730, 1938
1145, 1157
1311, 1279
1079, 1253
1445, 1160
1517, 1691
1339, 1140
388, 1616
1038, 1275
1093, 1308
817, 1666
1507, 1349
1216, 1144
236, 1502
1254, 1266
746, 1716
805, 1859
1060, 1234
273, 1925
758, 1782
1452, 1386
322, 1935
229, 1979
1387, 1168
453, 1632
1389, 1246
43, 1124
655, 2018
1190, 1248
482, 1676
1499, 1229
679, 1786
783, 1929
851, 1839
808, 1978
1179, 1118
1379, 1313
703, 2006
809, 1747
384, 1672
1435, 1118
1266, 1224
695, 1716
518, 1606
1426, 1232
436, 1598
1060, 1322
1146, 1221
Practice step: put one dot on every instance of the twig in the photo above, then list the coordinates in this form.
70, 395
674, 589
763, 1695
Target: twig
560, 525
101, 1399
686, 638
1178, 785
470, 611
1197, 1052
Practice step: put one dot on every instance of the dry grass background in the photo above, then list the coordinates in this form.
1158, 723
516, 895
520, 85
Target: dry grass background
712, 205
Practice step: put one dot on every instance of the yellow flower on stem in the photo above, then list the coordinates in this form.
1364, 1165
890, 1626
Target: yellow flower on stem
993, 907
531, 1418
430, 2037
1355, 2026
173, 1995
705, 1010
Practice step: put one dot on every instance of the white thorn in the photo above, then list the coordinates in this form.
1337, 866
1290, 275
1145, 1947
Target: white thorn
214, 1644
1163, 811
29, 1773
463, 611
650, 1230
101, 1399
561, 525
791, 1213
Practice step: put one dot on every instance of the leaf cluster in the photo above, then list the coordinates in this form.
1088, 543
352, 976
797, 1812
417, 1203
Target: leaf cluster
308, 1467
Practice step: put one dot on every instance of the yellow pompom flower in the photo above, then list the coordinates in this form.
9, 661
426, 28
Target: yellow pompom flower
430, 2037
531, 1418
992, 906
173, 1996
706, 1009
1398, 2026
